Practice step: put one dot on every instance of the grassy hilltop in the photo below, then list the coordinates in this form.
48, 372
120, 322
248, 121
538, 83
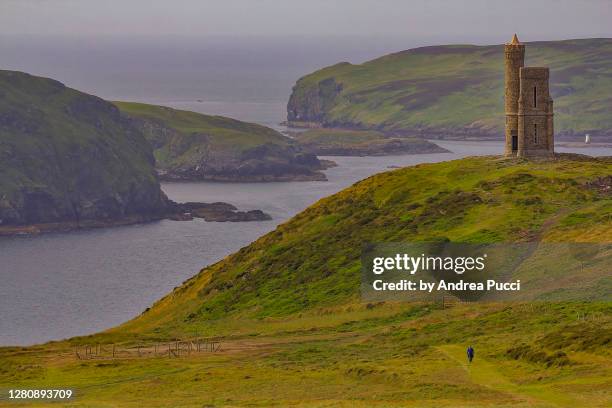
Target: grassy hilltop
294, 331
66, 156
193, 146
456, 90
313, 260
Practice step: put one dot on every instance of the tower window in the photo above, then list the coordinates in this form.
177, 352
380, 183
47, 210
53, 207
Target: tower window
535, 133
535, 97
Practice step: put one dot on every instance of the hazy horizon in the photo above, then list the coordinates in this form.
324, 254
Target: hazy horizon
240, 58
423, 20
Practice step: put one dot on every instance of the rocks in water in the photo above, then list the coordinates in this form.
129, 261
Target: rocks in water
210, 212
327, 164
217, 212
180, 216
233, 216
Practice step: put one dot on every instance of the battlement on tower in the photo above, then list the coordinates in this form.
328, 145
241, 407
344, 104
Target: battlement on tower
534, 73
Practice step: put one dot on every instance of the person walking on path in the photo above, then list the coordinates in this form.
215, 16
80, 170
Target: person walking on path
470, 354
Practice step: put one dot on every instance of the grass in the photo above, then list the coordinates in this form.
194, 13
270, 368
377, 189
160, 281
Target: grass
196, 134
470, 200
354, 355
193, 146
294, 331
456, 90
223, 132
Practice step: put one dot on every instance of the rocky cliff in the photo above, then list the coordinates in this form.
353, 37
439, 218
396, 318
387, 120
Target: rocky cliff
69, 157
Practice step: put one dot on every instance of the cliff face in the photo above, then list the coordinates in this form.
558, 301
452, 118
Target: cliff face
310, 104
193, 146
66, 156
456, 91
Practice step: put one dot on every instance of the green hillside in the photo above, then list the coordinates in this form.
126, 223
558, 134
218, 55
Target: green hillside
313, 260
294, 331
457, 90
66, 156
189, 145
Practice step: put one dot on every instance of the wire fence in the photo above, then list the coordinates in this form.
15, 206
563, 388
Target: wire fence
173, 349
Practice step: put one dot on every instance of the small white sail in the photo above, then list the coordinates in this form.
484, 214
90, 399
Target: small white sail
587, 139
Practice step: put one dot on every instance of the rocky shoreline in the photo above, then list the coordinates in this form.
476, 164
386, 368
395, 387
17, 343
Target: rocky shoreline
262, 178
582, 145
570, 138
386, 148
216, 212
210, 212
242, 177
350, 142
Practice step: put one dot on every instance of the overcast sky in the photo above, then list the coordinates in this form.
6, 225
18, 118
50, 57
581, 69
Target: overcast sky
463, 20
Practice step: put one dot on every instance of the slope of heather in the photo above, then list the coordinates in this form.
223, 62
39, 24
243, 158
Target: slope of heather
313, 260
456, 90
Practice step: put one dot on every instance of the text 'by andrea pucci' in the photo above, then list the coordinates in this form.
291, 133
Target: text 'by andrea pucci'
449, 273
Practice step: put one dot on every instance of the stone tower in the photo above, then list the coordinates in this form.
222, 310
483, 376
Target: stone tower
528, 105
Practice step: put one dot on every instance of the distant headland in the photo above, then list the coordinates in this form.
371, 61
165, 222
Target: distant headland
456, 91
